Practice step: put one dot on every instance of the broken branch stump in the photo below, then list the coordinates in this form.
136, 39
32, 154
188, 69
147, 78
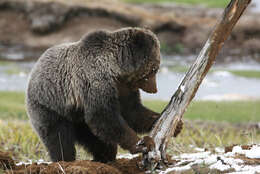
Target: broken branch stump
172, 114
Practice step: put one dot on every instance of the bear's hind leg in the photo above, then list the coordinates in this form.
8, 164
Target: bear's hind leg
60, 143
101, 151
56, 133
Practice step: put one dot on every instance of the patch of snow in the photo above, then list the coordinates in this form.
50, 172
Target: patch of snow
242, 172
253, 169
238, 149
25, 163
231, 161
195, 155
182, 168
182, 162
40, 161
219, 160
229, 154
127, 156
219, 150
254, 152
199, 149
211, 159
219, 166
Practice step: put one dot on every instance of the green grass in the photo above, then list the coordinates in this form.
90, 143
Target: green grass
233, 112
211, 135
2, 63
18, 137
209, 3
13, 71
241, 73
179, 68
246, 73
221, 124
12, 105
178, 48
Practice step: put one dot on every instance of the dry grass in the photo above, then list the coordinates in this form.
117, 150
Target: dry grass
19, 138
17, 135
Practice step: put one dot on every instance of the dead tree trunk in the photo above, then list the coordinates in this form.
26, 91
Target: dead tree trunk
166, 125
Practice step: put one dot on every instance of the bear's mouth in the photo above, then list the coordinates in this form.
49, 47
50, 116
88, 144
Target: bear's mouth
148, 82
149, 85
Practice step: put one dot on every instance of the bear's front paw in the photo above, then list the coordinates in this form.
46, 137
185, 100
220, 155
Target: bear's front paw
178, 128
145, 145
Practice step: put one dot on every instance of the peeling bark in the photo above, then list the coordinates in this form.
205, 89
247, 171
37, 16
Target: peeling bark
172, 114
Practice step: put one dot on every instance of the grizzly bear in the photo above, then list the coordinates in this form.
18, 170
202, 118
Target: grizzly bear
87, 92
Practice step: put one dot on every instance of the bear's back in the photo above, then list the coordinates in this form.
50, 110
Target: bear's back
52, 80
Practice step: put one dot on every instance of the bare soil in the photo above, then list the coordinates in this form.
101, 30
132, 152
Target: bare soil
120, 166
123, 165
39, 24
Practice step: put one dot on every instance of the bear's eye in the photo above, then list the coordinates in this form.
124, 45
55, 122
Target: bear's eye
154, 70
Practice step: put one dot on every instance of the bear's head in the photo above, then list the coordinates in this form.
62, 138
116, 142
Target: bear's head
139, 57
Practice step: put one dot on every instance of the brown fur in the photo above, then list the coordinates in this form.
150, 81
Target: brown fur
87, 92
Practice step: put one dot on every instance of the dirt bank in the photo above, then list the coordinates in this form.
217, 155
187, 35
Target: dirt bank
34, 25
231, 159
121, 166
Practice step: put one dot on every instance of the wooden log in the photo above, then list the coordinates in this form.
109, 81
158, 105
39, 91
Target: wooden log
172, 114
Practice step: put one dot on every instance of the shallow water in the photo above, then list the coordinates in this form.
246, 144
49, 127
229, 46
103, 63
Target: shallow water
13, 76
255, 6
219, 85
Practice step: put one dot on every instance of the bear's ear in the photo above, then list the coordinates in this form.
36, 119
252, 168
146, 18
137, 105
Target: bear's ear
95, 38
142, 43
140, 40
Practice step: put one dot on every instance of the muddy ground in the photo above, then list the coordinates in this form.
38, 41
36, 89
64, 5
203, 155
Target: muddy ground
185, 163
34, 25
201, 162
120, 166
